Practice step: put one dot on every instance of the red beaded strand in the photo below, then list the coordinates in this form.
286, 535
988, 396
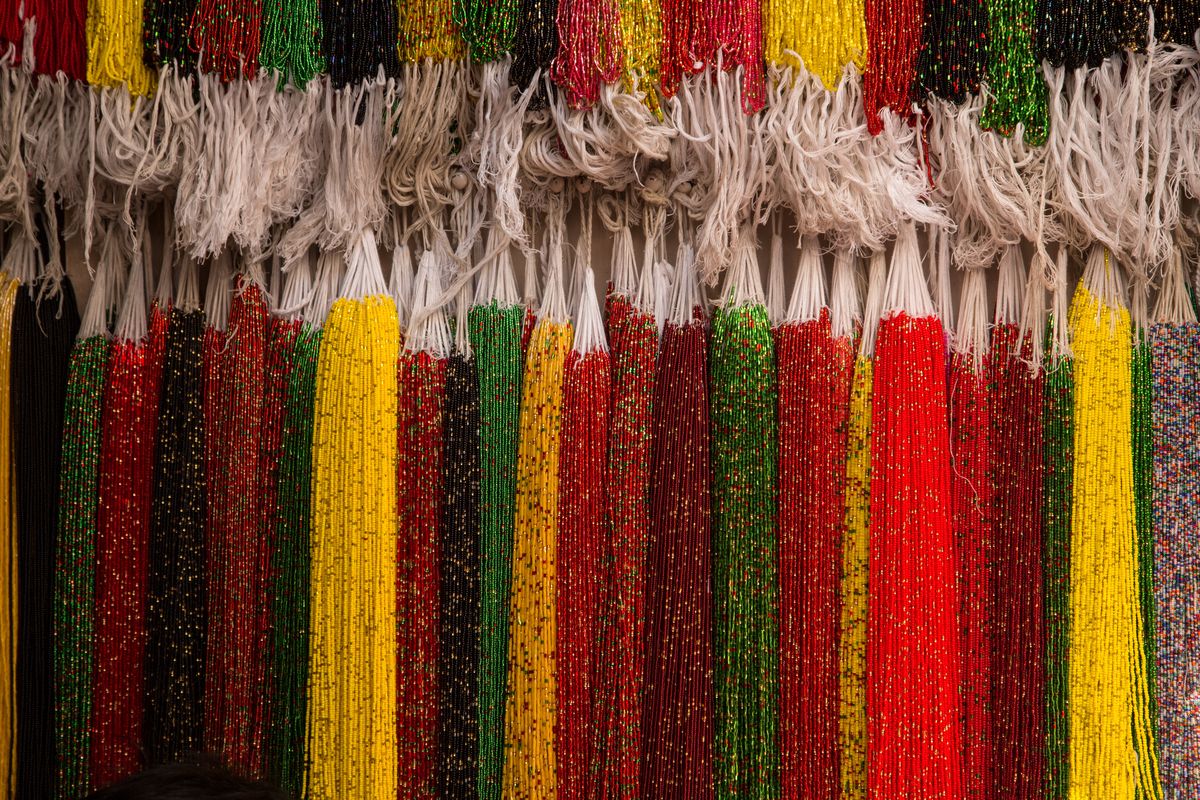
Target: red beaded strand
894, 30
814, 397
688, 45
581, 498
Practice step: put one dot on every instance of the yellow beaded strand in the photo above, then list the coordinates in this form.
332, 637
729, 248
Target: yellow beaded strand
641, 42
1112, 754
428, 30
822, 35
8, 561
352, 617
114, 43
855, 553
530, 765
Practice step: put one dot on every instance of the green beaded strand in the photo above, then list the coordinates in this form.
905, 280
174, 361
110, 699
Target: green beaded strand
495, 332
1058, 436
290, 570
1143, 488
291, 41
487, 26
745, 570
1017, 89
74, 583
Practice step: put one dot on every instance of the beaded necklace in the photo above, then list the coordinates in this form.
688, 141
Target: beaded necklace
954, 48
123, 543
914, 707
1142, 384
176, 601
8, 558
458, 636
687, 42
678, 718
1016, 87
633, 335
12, 29
745, 572
61, 42
1175, 21
641, 43
812, 374
821, 36
165, 37
235, 661
359, 36
1175, 368
587, 383
1074, 33
114, 46
226, 34
1018, 728
421, 398
75, 561
736, 30
496, 342
530, 766
589, 52
290, 568
428, 30
352, 676
487, 26
535, 42
1111, 742
974, 529
894, 32
291, 40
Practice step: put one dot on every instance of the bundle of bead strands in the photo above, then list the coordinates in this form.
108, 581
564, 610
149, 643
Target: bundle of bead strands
114, 47
687, 43
422, 385
1143, 480
75, 555
677, 724
123, 544
358, 38
165, 27
953, 57
530, 764
1018, 724
914, 710
893, 43
852, 683
1175, 339
1058, 447
61, 45
428, 31
633, 337
581, 503
820, 36
282, 331
227, 35
973, 526
8, 551
1016, 86
1111, 744
291, 40
589, 53
176, 620
745, 574
813, 401
535, 41
458, 634
496, 323
352, 663
290, 564
236, 652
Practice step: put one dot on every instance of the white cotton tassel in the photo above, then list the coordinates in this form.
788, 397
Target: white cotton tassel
164, 287
429, 331
554, 303
216, 294
500, 113
56, 125
353, 197
591, 141
1102, 277
808, 295
497, 283
589, 322
743, 284
906, 289
1010, 283
624, 268
95, 314
21, 259
687, 299
462, 327
546, 155
1033, 314
1060, 331
400, 282
664, 279
776, 290
1139, 301
131, 323
971, 336
187, 289
15, 91
297, 291
1174, 306
845, 306
877, 280
331, 266
530, 290
364, 273
653, 224
939, 276
645, 136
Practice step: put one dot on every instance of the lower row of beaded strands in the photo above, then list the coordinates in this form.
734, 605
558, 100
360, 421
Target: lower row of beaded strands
351, 748
421, 382
1017, 624
852, 649
1111, 743
914, 708
79, 502
745, 570
530, 717
1175, 367
814, 373
677, 723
